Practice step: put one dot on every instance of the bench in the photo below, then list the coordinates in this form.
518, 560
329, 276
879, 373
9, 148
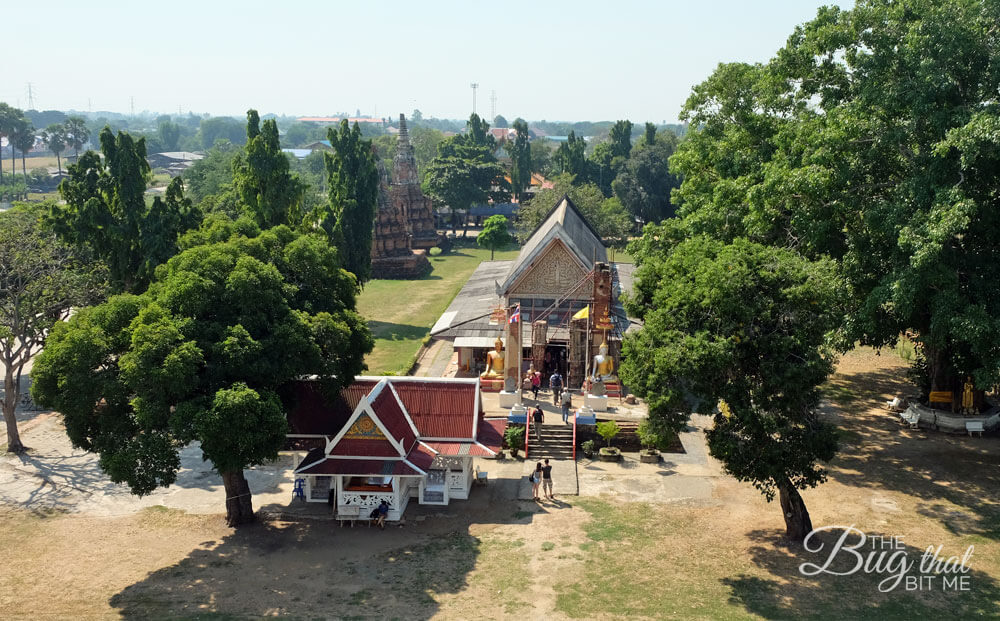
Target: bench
974, 427
912, 418
352, 513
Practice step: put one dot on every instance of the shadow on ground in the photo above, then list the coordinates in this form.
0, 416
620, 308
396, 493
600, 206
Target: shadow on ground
316, 569
955, 476
788, 594
397, 331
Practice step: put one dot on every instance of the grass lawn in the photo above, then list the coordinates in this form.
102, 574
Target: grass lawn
400, 313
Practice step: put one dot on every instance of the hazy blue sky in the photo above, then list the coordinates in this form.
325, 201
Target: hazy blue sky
579, 60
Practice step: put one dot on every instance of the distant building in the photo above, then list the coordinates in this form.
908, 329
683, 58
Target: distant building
174, 162
333, 120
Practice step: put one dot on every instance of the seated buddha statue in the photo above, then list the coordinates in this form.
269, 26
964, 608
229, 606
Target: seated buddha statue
494, 362
604, 366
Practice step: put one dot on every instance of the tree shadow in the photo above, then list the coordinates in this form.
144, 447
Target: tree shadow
316, 569
878, 452
397, 331
783, 592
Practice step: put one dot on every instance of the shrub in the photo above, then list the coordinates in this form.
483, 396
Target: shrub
435, 251
608, 430
514, 436
588, 447
648, 436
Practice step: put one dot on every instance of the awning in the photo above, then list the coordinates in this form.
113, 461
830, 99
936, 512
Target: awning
485, 342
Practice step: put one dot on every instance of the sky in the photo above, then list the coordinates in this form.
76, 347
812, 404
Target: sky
544, 60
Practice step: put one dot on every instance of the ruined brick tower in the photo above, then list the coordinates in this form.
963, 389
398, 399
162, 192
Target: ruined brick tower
406, 196
392, 256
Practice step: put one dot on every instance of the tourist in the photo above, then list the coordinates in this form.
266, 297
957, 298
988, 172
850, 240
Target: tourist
382, 512
547, 480
567, 403
537, 418
536, 383
536, 479
556, 384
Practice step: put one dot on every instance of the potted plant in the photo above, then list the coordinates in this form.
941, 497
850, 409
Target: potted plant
649, 440
608, 430
514, 437
588, 448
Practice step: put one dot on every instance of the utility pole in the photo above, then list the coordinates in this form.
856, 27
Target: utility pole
131, 105
474, 86
31, 98
493, 105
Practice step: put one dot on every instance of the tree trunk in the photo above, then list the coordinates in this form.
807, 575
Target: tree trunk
12, 392
24, 169
59, 163
239, 503
797, 522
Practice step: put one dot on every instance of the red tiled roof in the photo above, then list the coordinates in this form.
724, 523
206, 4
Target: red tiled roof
491, 433
488, 443
440, 409
387, 409
310, 412
359, 467
421, 457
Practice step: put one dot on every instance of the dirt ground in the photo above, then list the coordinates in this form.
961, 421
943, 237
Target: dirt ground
493, 557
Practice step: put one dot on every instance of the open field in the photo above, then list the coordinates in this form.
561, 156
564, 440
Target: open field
588, 557
400, 313
34, 162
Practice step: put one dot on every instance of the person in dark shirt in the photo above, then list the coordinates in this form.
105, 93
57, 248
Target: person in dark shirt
547, 481
383, 512
537, 418
556, 384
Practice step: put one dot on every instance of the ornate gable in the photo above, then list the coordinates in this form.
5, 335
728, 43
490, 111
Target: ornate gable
554, 273
364, 429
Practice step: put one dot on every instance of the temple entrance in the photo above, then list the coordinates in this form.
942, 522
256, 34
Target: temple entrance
555, 359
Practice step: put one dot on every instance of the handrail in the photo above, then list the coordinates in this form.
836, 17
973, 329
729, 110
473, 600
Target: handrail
574, 436
527, 433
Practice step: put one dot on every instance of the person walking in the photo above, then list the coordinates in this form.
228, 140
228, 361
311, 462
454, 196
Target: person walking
567, 403
547, 480
536, 383
536, 479
556, 384
537, 418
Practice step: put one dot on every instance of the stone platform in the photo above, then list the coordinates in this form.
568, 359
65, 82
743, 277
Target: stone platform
406, 267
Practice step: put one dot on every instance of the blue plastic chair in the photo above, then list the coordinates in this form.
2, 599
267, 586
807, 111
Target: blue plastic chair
300, 489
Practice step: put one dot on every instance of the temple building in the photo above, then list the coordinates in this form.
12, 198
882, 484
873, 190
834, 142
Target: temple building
392, 255
406, 197
388, 438
567, 293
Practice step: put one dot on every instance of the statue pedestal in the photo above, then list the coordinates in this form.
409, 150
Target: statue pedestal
586, 416
509, 399
597, 402
518, 414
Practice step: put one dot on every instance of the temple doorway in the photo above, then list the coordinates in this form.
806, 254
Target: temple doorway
555, 360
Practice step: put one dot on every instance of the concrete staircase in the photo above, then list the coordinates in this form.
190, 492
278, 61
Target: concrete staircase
556, 442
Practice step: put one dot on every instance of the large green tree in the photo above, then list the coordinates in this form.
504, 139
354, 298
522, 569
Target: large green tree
262, 177
747, 325
106, 211
55, 139
23, 139
606, 215
645, 182
200, 356
349, 216
520, 160
871, 137
41, 279
77, 133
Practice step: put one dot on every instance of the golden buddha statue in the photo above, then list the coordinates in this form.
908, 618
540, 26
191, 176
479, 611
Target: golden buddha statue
604, 366
494, 362
968, 397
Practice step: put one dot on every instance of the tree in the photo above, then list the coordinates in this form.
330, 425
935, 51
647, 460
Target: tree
870, 137
214, 128
541, 156
607, 216
349, 217
200, 356
520, 158
494, 234
645, 181
262, 179
499, 121
213, 174
77, 133
23, 139
416, 116
54, 137
41, 279
570, 158
106, 211
744, 326
10, 119
649, 137
169, 133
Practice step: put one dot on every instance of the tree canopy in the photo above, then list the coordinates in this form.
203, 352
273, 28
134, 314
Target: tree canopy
870, 137
494, 234
606, 215
349, 217
262, 179
41, 279
746, 324
520, 159
106, 211
200, 356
